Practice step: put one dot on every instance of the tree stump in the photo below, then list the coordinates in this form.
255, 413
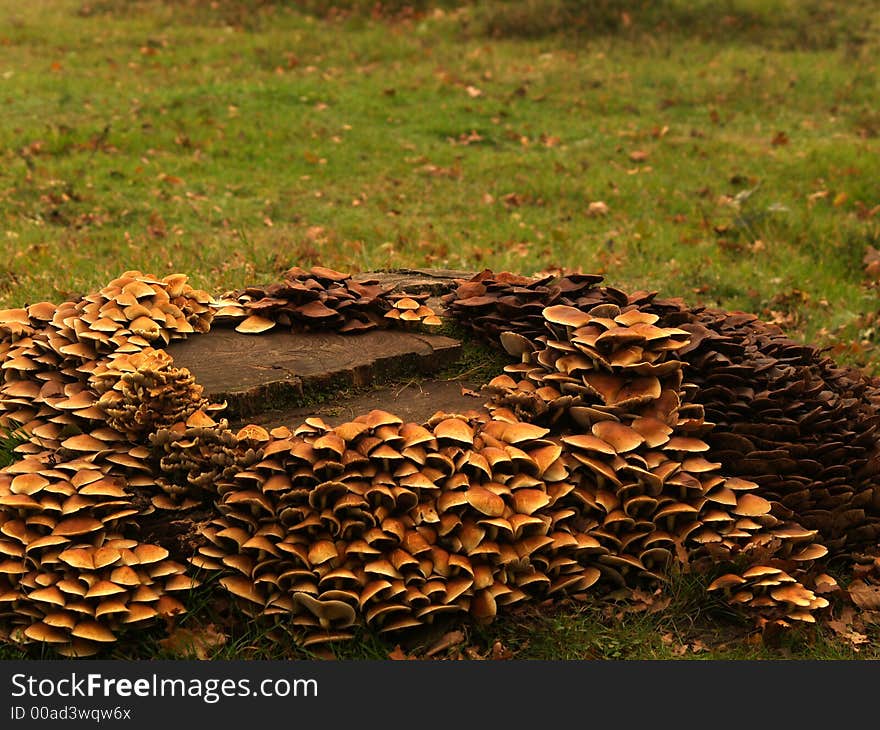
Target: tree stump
278, 377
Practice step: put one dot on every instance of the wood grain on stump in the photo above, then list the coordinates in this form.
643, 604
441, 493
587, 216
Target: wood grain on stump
254, 373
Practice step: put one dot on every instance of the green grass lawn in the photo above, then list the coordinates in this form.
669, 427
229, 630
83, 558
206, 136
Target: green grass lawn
725, 152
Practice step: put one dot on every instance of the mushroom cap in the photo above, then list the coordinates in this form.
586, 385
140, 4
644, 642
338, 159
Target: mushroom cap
73, 526
655, 431
139, 612
254, 325
243, 588
793, 593
253, 432
28, 484
147, 553
529, 501
686, 443
566, 316
485, 501
813, 551
84, 442
48, 634
588, 442
515, 344
92, 631
621, 437
751, 505
730, 580
377, 417
455, 429
760, 571
517, 433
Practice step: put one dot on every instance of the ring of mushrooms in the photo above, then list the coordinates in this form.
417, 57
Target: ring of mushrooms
627, 435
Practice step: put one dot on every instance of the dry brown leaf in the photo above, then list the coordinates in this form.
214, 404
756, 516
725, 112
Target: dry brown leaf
845, 631
500, 652
447, 641
649, 602
193, 643
697, 646
779, 139
865, 596
597, 208
870, 617
398, 654
871, 261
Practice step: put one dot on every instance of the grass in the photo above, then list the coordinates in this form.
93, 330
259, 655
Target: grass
158, 136
725, 152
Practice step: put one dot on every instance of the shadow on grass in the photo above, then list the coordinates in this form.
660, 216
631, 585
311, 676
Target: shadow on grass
784, 24
787, 24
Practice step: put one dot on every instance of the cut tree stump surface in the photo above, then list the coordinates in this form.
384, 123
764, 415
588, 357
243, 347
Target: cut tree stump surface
254, 373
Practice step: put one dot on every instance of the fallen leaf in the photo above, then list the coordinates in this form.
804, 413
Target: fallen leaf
195, 643
660, 132
473, 92
845, 631
779, 139
871, 261
500, 652
597, 208
447, 641
398, 654
638, 155
865, 596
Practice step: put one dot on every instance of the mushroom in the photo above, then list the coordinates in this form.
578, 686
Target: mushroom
332, 613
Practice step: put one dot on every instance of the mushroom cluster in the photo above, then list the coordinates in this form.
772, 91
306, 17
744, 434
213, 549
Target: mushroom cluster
143, 392
785, 416
387, 523
50, 353
321, 298
791, 420
70, 575
629, 434
769, 589
610, 379
82, 383
194, 455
